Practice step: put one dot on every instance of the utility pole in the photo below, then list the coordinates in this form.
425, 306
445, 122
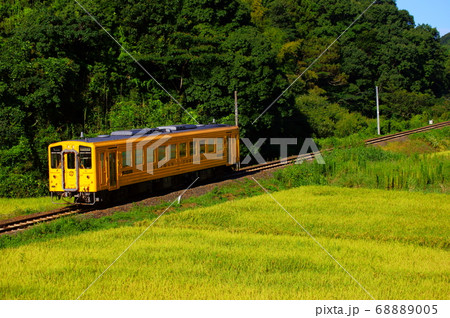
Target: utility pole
378, 111
236, 117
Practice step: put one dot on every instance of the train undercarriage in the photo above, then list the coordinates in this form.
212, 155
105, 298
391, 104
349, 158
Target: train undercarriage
157, 186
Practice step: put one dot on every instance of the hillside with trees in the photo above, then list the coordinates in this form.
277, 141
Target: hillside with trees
61, 74
445, 40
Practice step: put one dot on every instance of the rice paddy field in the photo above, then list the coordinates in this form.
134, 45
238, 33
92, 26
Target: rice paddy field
395, 243
14, 207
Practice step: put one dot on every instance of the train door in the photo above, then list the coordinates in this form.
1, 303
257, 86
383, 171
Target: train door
112, 170
103, 172
231, 149
70, 170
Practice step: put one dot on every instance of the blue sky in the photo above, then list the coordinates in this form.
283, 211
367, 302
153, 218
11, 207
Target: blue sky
433, 12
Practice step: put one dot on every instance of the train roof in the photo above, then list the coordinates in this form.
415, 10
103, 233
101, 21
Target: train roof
125, 134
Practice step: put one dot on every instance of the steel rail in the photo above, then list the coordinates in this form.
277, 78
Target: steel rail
406, 133
13, 225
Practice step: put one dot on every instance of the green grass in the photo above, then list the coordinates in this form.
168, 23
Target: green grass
434, 141
394, 243
425, 142
15, 207
439, 139
372, 167
76, 225
443, 153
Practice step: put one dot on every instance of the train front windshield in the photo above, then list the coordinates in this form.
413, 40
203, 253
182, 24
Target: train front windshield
55, 157
85, 157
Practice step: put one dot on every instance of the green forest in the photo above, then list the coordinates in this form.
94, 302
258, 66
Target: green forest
61, 73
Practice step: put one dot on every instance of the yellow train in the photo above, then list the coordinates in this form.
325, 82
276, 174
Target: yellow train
95, 169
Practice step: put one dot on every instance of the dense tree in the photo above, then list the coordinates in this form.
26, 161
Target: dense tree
445, 40
60, 73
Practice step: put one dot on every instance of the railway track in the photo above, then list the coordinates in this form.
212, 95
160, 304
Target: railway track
386, 138
17, 224
311, 156
279, 163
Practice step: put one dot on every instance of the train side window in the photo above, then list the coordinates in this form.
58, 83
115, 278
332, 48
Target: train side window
183, 150
56, 160
126, 159
55, 157
173, 151
102, 162
137, 157
210, 145
102, 168
85, 157
191, 148
202, 146
70, 160
150, 156
219, 148
161, 153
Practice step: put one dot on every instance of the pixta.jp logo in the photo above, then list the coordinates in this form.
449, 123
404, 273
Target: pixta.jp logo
157, 150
